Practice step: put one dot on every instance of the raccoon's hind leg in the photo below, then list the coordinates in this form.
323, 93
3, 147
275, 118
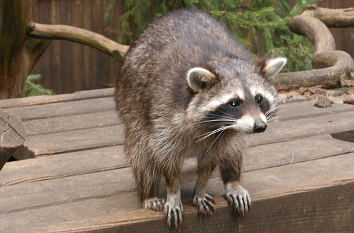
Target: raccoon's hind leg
235, 194
203, 201
147, 177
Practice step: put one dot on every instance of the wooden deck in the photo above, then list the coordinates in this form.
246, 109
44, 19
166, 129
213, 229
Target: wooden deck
300, 178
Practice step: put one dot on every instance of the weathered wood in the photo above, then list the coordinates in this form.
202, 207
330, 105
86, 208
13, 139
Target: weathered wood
48, 99
73, 122
100, 196
67, 141
64, 109
87, 186
62, 142
12, 136
303, 127
314, 211
63, 165
109, 158
106, 118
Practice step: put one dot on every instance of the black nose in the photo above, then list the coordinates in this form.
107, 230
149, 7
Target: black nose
259, 126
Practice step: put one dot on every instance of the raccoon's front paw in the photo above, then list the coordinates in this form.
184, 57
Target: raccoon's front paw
154, 203
174, 212
239, 199
204, 204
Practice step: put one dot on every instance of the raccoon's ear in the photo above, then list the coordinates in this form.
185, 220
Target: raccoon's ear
199, 78
271, 67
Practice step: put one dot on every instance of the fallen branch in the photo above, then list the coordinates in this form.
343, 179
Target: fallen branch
332, 17
334, 68
79, 35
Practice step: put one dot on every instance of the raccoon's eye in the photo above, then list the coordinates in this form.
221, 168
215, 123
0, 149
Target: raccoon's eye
235, 103
259, 98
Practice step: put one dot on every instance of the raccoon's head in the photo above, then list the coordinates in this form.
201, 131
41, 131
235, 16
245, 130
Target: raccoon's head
234, 95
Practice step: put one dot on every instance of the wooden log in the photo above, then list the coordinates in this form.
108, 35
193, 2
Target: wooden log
12, 136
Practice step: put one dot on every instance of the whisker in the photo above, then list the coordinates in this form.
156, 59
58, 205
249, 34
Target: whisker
216, 120
214, 141
209, 134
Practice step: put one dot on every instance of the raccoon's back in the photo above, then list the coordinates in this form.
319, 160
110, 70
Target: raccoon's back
154, 69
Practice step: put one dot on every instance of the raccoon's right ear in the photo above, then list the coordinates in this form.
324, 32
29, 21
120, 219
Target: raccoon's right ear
270, 67
199, 78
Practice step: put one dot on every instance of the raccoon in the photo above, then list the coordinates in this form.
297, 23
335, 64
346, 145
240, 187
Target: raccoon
188, 88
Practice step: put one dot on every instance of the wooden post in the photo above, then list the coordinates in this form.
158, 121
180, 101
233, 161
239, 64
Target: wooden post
12, 135
18, 54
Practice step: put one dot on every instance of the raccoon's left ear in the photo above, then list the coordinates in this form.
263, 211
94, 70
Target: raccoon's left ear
199, 78
271, 67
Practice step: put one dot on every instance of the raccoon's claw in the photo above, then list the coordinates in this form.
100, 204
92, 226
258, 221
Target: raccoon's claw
174, 214
239, 200
154, 203
204, 204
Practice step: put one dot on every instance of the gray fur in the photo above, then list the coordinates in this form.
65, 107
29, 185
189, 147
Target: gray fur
164, 116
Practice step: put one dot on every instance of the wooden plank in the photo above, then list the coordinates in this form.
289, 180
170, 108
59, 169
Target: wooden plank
62, 142
106, 118
96, 211
73, 122
63, 165
47, 99
304, 127
312, 211
69, 170
109, 158
64, 109
306, 109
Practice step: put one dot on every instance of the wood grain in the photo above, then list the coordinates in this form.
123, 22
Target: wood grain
103, 206
299, 177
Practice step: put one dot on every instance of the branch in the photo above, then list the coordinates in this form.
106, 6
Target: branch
340, 71
332, 17
79, 35
334, 67
315, 30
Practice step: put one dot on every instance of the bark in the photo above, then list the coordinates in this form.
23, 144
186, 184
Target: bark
333, 68
18, 54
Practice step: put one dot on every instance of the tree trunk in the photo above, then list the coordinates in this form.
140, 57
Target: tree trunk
18, 54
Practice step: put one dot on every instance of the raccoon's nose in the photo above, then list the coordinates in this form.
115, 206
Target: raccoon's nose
259, 126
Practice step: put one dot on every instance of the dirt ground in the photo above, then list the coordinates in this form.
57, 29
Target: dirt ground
323, 97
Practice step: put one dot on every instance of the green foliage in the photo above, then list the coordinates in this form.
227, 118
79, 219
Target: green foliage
262, 25
33, 88
344, 89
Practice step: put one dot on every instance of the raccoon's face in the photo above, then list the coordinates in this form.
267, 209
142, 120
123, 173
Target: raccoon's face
239, 99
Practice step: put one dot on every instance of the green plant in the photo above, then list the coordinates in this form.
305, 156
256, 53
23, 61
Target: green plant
33, 88
261, 24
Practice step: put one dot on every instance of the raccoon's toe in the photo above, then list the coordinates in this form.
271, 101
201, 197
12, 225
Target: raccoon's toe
154, 203
204, 204
174, 214
240, 200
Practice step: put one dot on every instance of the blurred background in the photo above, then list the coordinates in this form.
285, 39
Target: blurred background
262, 25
